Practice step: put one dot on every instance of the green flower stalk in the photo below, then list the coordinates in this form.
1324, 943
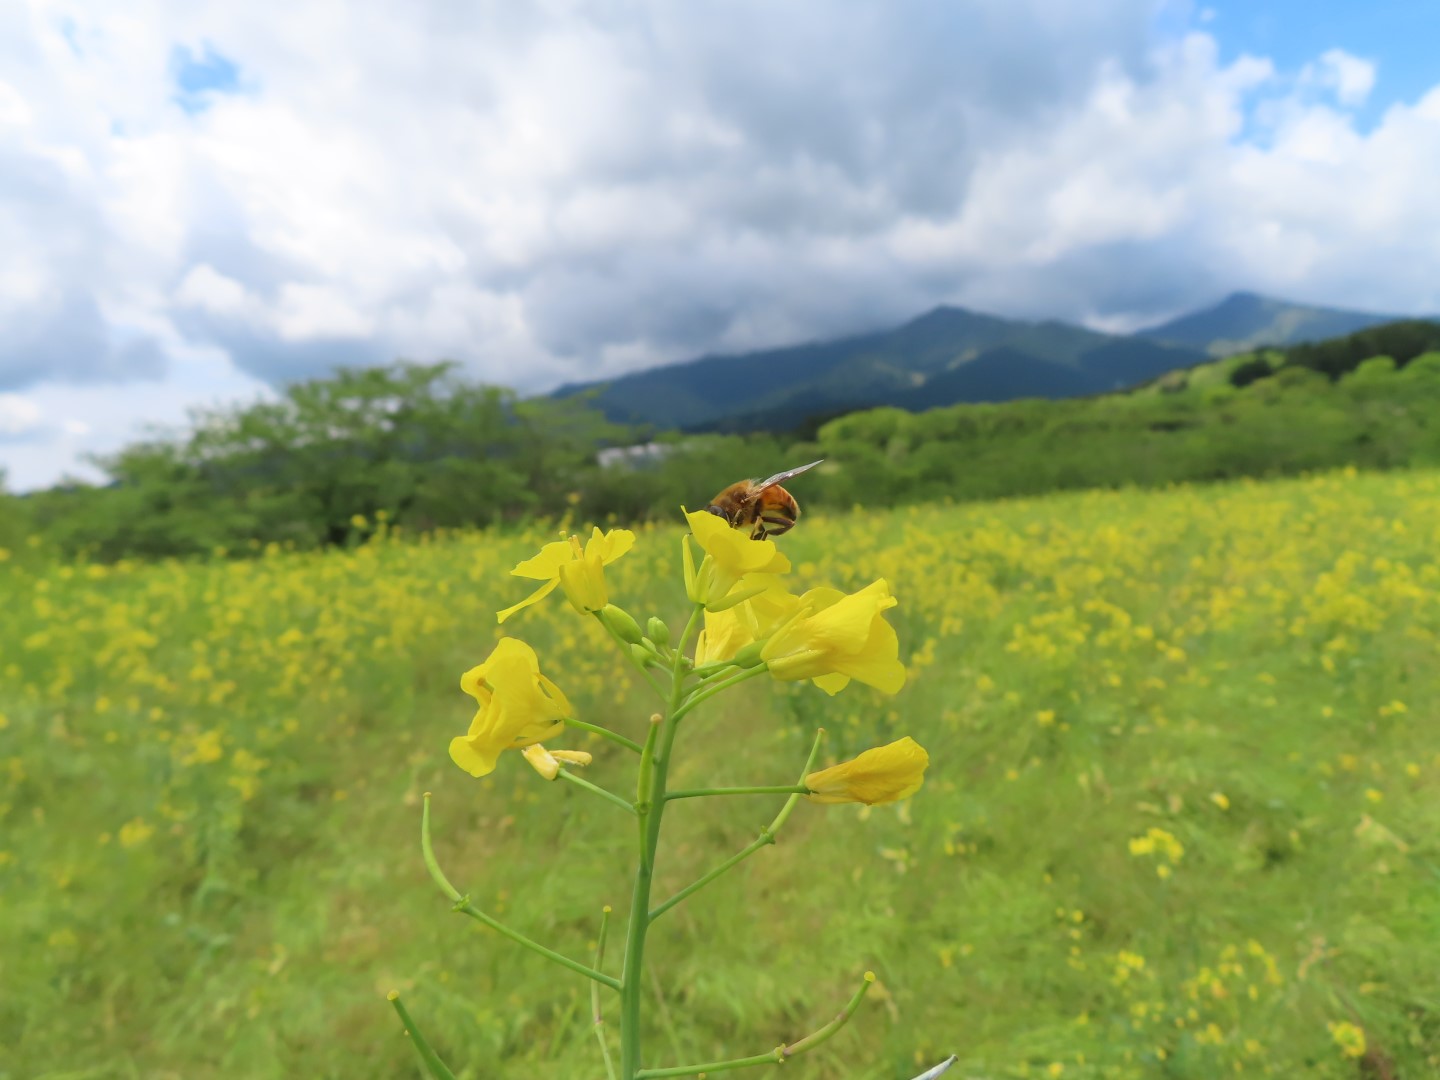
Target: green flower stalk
743, 623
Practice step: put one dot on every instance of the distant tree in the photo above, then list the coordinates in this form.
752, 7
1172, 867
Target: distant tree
1249, 371
323, 460
1403, 341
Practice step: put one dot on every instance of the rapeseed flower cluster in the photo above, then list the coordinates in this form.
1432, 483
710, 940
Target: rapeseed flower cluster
750, 620
752, 624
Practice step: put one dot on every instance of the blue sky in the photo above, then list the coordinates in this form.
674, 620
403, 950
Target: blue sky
202, 200
200, 74
1402, 37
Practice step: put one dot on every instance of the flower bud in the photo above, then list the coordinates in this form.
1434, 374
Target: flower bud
880, 775
643, 656
749, 656
621, 624
657, 631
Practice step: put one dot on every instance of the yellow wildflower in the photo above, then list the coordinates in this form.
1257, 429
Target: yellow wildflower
134, 833
729, 556
581, 571
732, 629
1349, 1038
725, 634
518, 707
547, 762
833, 638
880, 775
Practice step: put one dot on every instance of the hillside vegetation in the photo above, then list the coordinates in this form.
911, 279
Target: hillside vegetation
416, 449
1181, 817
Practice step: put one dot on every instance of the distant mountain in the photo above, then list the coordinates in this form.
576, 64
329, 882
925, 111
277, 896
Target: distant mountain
944, 357
1244, 321
949, 356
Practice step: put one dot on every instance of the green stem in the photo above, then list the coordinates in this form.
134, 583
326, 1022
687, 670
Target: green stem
654, 766
463, 905
566, 774
708, 692
433, 1065
766, 837
596, 1016
604, 733
774, 789
712, 668
780, 1054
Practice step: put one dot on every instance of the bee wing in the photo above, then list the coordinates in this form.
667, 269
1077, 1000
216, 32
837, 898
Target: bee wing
781, 477
938, 1070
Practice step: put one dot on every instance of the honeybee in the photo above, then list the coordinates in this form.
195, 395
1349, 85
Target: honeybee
762, 506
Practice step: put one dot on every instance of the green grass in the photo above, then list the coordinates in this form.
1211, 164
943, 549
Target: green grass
213, 772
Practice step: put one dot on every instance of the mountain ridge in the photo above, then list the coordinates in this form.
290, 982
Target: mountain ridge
946, 356
1242, 321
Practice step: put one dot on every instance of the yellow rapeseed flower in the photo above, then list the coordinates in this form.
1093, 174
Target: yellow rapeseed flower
581, 571
547, 762
732, 629
879, 775
1349, 1038
730, 555
833, 638
518, 707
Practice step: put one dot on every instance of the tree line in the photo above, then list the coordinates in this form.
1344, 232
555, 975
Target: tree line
419, 448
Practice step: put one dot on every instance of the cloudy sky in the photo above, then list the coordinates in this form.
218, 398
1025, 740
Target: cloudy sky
200, 200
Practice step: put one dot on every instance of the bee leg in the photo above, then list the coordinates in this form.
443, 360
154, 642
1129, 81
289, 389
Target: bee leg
777, 525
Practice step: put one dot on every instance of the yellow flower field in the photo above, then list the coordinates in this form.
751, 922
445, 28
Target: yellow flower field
1181, 818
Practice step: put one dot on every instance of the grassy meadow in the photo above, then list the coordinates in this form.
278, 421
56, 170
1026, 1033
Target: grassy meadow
1182, 817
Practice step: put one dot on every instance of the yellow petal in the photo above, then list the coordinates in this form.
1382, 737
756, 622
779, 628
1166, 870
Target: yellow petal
733, 549
880, 775
472, 760
542, 761
612, 545
534, 598
547, 564
725, 634
584, 583
561, 701
846, 625
572, 757
878, 664
833, 683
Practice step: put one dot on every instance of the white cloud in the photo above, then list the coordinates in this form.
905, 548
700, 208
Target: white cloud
206, 288
308, 312
1350, 78
18, 415
559, 192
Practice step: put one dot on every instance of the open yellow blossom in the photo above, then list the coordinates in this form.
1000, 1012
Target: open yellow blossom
732, 629
581, 571
729, 556
879, 775
548, 762
518, 707
833, 638
725, 634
